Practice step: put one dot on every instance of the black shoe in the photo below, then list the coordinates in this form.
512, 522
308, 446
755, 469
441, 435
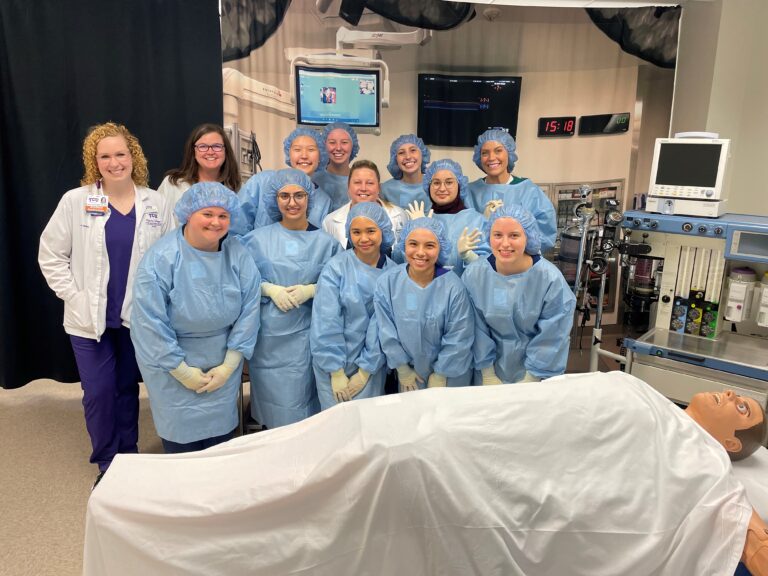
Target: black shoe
98, 479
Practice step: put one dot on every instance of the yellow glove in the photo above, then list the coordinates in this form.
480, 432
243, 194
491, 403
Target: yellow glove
530, 378
489, 376
416, 210
491, 206
301, 292
191, 377
221, 373
357, 382
339, 382
407, 378
283, 299
436, 381
467, 243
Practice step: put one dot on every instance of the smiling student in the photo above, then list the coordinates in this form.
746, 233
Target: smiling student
341, 147
523, 305
408, 159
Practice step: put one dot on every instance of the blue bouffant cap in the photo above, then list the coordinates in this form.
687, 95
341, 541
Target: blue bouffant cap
526, 220
446, 164
349, 130
279, 180
393, 168
208, 195
496, 135
314, 134
433, 225
374, 212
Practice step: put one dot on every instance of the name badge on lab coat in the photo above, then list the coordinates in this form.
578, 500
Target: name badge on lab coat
96, 204
152, 217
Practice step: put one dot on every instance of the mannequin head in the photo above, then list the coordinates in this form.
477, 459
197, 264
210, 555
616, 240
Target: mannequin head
737, 422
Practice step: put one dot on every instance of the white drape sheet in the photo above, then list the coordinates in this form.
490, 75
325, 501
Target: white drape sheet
593, 474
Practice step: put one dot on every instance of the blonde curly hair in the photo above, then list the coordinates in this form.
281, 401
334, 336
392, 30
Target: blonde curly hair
96, 134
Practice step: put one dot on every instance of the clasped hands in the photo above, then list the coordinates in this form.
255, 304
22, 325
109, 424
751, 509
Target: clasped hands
344, 389
288, 297
194, 379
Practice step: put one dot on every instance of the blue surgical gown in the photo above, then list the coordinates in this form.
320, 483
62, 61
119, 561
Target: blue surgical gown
282, 383
344, 333
402, 194
522, 321
335, 186
251, 198
454, 226
430, 328
522, 192
193, 305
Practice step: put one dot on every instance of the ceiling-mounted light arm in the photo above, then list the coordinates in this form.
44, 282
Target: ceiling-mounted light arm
343, 62
345, 36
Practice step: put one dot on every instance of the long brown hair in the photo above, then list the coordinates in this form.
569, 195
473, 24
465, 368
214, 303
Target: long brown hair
229, 173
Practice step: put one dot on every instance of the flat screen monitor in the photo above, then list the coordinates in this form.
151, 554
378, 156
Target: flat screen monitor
325, 95
689, 168
455, 110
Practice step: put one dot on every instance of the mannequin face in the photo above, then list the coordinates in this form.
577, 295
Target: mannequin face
444, 187
304, 154
722, 413
365, 236
409, 159
339, 147
494, 159
422, 249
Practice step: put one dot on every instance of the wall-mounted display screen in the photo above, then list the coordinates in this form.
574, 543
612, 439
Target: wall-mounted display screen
604, 124
455, 110
326, 95
557, 126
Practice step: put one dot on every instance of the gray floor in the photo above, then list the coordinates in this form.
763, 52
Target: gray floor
46, 478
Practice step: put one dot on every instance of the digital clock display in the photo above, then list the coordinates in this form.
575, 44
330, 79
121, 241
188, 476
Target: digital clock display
557, 126
604, 124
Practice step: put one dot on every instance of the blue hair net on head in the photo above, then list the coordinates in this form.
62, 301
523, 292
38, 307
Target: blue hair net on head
446, 164
349, 130
312, 134
207, 195
393, 168
496, 135
526, 220
374, 212
433, 225
280, 179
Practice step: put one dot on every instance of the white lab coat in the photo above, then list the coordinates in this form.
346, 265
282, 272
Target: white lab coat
173, 192
336, 222
73, 256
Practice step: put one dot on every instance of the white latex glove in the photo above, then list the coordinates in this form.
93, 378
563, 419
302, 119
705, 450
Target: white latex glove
491, 207
302, 292
339, 383
189, 376
436, 381
357, 382
489, 376
467, 243
221, 373
416, 210
407, 378
280, 296
530, 378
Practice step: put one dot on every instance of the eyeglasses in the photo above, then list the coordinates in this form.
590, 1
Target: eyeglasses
296, 197
206, 147
436, 184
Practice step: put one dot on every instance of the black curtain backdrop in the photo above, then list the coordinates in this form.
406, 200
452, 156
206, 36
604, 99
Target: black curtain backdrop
65, 65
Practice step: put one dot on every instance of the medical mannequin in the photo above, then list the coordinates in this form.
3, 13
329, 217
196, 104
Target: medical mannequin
738, 423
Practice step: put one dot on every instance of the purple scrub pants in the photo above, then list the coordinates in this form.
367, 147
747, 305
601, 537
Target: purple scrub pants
110, 380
